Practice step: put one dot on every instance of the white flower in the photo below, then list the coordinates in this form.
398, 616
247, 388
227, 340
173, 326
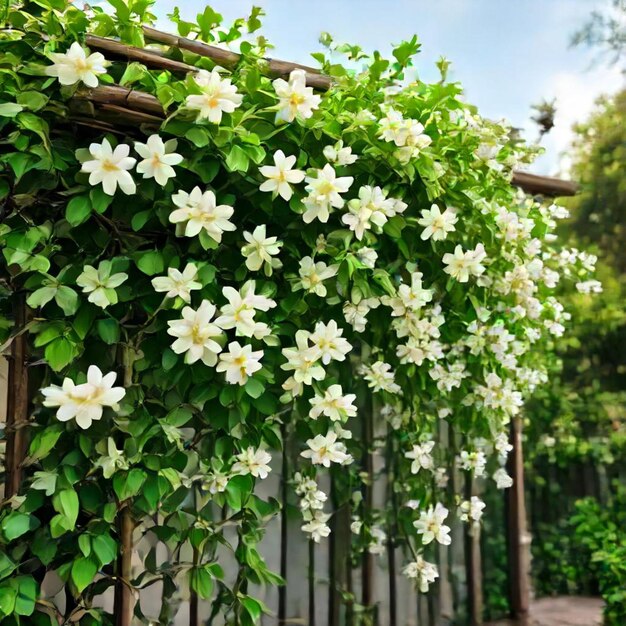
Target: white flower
367, 256
316, 526
74, 66
356, 314
84, 403
339, 155
461, 265
281, 176
502, 446
324, 194
303, 360
112, 460
423, 572
503, 480
100, 284
473, 461
295, 99
380, 377
328, 340
177, 283
260, 250
239, 363
110, 167
255, 462
313, 275
324, 450
196, 334
333, 404
218, 96
378, 543
216, 482
158, 158
430, 525
487, 153
422, 456
240, 311
200, 211
472, 510
436, 224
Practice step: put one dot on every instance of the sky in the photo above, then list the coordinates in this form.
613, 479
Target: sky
508, 54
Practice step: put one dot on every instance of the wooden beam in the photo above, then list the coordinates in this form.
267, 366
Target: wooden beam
17, 402
544, 185
517, 545
229, 59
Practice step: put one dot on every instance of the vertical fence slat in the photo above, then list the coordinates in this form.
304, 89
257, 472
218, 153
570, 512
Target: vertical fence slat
519, 586
124, 602
311, 582
284, 534
473, 564
17, 402
367, 565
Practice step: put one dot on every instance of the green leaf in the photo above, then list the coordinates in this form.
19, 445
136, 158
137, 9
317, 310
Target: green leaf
199, 137
84, 543
127, 484
41, 297
67, 299
33, 100
44, 441
15, 524
26, 597
150, 263
60, 353
201, 582
100, 201
108, 330
10, 109
7, 566
237, 160
254, 388
253, 607
66, 503
78, 210
83, 573
104, 548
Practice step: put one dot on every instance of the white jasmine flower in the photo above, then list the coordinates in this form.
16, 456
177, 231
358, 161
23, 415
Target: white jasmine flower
328, 340
472, 510
218, 96
430, 525
295, 99
461, 265
261, 250
239, 363
436, 224
216, 482
371, 208
303, 360
333, 404
112, 461
367, 256
281, 176
198, 211
240, 311
316, 526
324, 450
110, 167
422, 457
356, 314
100, 284
84, 403
75, 66
313, 275
487, 153
339, 155
251, 461
475, 461
324, 191
378, 543
196, 334
422, 572
158, 158
503, 480
177, 283
380, 377
502, 446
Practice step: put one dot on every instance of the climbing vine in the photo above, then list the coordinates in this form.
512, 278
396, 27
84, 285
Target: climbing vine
345, 272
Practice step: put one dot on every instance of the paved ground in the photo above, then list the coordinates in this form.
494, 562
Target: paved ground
561, 611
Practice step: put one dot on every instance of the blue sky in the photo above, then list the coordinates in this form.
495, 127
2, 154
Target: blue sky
508, 54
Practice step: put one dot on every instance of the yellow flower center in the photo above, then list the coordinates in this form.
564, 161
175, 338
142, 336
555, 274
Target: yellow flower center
109, 166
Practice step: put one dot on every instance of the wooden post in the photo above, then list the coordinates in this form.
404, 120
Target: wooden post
17, 402
367, 565
124, 603
519, 584
473, 564
311, 582
282, 590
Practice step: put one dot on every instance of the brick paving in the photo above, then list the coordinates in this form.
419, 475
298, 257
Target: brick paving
561, 611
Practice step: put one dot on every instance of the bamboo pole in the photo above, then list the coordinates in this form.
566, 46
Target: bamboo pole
544, 185
17, 401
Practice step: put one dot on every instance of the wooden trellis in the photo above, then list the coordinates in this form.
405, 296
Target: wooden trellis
108, 107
